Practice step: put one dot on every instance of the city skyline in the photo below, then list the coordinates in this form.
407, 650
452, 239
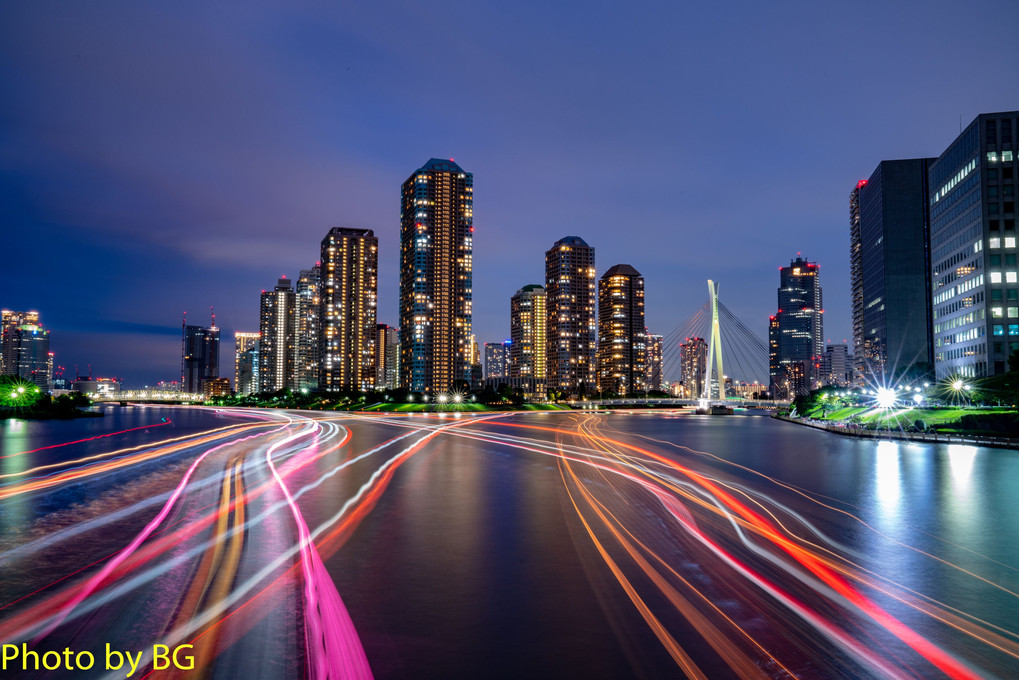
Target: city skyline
105, 126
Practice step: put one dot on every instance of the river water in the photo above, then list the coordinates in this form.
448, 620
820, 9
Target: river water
474, 561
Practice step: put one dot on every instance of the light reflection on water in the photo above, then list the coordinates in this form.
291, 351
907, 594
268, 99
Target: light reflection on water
887, 480
13, 514
960, 462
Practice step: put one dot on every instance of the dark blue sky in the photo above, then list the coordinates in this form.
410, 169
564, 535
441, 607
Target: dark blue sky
161, 157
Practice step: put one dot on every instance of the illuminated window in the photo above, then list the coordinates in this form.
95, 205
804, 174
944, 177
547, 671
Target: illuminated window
1006, 156
999, 329
1010, 277
1013, 312
1010, 241
1013, 329
992, 156
996, 312
994, 242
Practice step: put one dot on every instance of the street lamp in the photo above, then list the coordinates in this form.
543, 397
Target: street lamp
885, 397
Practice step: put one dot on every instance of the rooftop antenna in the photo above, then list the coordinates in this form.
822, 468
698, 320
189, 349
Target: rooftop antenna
213, 312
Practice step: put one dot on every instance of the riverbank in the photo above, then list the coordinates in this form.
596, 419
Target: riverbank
48, 413
860, 432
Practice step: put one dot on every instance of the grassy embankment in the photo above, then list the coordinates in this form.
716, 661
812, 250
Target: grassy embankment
946, 420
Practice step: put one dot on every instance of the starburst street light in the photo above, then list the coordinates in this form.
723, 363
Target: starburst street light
885, 397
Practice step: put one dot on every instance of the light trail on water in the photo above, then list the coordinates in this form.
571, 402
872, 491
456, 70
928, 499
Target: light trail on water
718, 563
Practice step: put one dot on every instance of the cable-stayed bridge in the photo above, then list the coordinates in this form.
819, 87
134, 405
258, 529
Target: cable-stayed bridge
715, 355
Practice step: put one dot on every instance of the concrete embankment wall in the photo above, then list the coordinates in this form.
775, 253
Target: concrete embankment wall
999, 442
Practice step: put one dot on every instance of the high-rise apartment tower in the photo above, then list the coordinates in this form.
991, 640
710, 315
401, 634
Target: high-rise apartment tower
622, 343
306, 329
277, 337
571, 331
436, 269
245, 362
527, 333
348, 295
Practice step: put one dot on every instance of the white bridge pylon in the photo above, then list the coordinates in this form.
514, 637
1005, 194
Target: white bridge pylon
714, 347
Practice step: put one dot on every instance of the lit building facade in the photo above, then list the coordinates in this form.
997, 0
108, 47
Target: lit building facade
974, 273
890, 272
837, 366
855, 285
25, 348
622, 344
10, 321
744, 389
245, 362
276, 338
216, 387
436, 276
306, 328
693, 362
199, 356
477, 371
655, 362
571, 330
496, 359
32, 359
104, 387
797, 332
387, 357
527, 333
348, 294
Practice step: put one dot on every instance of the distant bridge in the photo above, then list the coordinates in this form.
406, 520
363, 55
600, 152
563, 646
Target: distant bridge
150, 396
669, 401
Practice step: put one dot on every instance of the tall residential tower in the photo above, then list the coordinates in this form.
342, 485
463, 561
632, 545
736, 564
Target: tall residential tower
622, 343
571, 332
276, 341
527, 334
436, 269
306, 328
245, 363
348, 292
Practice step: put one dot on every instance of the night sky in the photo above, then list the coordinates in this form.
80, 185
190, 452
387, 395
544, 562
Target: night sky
162, 157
